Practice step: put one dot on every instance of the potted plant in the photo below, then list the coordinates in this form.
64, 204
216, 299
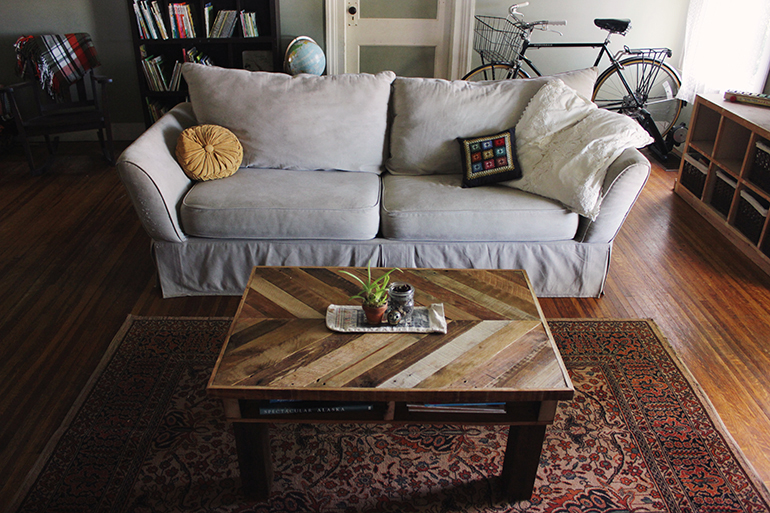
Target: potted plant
373, 294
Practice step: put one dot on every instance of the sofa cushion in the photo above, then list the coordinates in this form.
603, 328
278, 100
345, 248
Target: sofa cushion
296, 122
430, 114
208, 152
284, 204
438, 208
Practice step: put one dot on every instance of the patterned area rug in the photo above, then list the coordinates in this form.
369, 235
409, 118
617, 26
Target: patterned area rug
639, 436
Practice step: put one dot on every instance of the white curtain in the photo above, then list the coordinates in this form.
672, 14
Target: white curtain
727, 46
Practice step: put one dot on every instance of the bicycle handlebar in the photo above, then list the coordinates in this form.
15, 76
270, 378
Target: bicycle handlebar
513, 9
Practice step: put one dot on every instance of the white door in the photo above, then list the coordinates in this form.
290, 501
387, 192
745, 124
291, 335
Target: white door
418, 38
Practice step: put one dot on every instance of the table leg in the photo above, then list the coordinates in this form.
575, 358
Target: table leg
253, 444
522, 457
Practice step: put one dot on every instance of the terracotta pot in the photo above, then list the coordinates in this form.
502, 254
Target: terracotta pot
374, 314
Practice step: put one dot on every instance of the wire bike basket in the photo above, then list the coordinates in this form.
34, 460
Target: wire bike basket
497, 39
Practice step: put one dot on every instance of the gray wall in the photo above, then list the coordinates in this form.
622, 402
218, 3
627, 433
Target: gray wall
108, 22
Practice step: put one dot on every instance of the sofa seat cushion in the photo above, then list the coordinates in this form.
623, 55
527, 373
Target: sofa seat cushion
438, 208
282, 204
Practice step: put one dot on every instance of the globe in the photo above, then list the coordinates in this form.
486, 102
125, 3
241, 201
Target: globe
303, 55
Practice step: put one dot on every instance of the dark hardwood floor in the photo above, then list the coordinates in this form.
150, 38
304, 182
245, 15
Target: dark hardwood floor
74, 262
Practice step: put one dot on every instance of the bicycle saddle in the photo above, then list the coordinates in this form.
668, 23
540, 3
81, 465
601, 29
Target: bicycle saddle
613, 25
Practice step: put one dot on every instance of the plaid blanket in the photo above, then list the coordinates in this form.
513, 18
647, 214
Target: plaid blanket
55, 60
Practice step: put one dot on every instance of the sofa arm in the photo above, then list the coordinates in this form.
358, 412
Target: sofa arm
155, 182
625, 179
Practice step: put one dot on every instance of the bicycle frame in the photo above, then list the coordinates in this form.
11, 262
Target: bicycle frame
643, 116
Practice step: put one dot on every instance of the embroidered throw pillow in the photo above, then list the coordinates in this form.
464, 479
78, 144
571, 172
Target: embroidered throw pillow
208, 152
489, 159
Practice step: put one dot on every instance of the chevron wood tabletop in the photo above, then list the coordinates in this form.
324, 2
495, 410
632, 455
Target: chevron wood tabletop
497, 348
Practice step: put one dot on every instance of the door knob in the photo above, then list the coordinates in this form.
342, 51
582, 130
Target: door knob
352, 10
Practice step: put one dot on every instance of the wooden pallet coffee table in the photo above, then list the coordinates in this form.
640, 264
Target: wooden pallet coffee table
498, 348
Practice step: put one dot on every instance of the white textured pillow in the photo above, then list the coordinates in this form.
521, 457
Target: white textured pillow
302, 122
565, 144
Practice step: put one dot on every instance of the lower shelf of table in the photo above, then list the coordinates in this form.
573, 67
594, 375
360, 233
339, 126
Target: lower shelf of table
514, 413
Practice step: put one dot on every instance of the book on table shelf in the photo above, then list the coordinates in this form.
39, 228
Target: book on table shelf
281, 407
457, 408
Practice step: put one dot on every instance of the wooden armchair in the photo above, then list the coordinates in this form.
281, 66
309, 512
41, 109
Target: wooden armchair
82, 106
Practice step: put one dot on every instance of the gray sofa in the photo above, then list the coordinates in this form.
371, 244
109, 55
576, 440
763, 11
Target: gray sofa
350, 169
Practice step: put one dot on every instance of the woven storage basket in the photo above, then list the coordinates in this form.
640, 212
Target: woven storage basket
693, 175
751, 215
722, 197
760, 168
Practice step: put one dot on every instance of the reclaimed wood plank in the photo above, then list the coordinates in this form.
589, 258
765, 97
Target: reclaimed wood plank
477, 358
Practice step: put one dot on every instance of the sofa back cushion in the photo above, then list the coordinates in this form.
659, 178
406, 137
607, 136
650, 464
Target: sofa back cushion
430, 114
302, 122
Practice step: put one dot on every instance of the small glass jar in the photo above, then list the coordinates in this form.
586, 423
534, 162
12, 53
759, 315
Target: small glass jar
400, 302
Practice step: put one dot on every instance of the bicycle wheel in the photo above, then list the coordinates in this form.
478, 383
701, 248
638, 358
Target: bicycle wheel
494, 72
654, 84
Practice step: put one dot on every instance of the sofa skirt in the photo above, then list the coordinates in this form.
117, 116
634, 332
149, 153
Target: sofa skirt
204, 267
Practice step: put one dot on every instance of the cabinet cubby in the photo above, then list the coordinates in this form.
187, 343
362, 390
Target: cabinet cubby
725, 172
261, 52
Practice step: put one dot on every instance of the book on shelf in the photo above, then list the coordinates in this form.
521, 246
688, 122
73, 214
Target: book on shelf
249, 24
195, 55
208, 10
294, 407
181, 20
457, 408
156, 109
149, 20
156, 71
224, 24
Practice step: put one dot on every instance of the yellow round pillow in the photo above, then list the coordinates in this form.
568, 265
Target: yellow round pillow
208, 152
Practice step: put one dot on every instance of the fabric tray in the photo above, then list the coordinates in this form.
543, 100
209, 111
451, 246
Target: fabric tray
351, 319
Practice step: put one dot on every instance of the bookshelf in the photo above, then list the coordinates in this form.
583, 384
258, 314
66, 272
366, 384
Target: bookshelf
165, 32
725, 172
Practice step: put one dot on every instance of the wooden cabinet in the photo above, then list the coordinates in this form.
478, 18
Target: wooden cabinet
261, 52
725, 172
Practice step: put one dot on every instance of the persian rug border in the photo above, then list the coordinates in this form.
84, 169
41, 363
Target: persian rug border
711, 411
47, 451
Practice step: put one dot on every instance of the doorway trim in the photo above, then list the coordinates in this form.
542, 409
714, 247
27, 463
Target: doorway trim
460, 44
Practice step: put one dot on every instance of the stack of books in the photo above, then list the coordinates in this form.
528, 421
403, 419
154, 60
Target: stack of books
474, 408
195, 55
149, 20
156, 109
181, 18
249, 24
155, 69
281, 407
153, 72
224, 24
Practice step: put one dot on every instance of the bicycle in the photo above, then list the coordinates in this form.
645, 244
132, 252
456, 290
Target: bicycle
640, 85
